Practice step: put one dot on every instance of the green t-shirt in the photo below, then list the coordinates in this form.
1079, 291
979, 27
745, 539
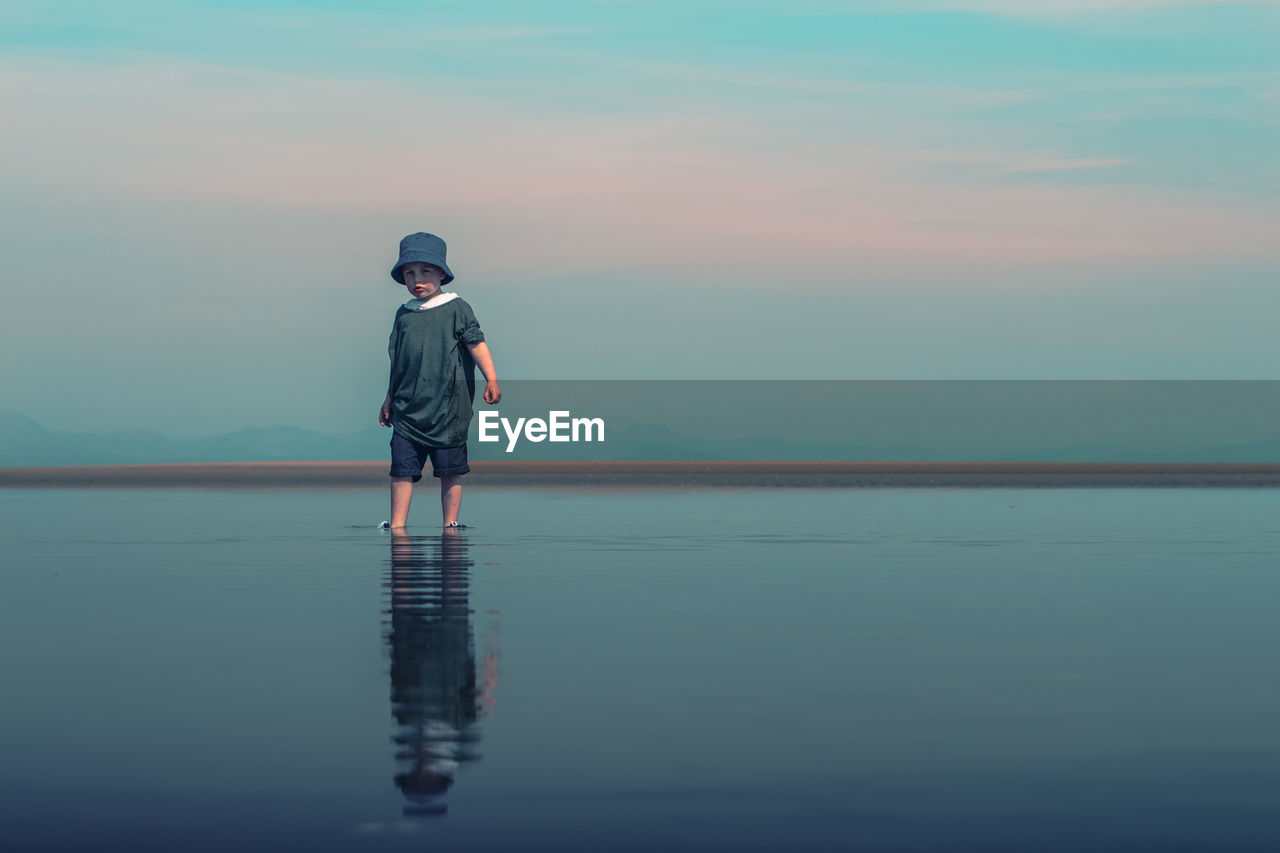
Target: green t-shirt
433, 378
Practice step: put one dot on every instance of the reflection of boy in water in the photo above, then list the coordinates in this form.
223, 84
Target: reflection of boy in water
433, 666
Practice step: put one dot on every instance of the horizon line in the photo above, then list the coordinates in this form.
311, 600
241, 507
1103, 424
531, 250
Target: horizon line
624, 474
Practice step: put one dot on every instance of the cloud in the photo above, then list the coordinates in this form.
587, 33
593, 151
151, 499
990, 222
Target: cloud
1062, 8
707, 194
952, 97
1050, 166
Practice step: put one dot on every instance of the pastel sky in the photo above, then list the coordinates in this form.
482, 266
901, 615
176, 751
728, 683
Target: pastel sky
202, 200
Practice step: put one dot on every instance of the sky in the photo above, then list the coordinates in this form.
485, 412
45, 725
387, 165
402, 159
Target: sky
202, 201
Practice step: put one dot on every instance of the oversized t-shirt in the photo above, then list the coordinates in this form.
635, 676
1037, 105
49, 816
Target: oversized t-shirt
433, 380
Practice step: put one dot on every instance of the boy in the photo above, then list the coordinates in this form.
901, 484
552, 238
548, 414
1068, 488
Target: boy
435, 346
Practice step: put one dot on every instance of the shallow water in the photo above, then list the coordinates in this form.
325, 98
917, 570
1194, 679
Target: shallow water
582, 670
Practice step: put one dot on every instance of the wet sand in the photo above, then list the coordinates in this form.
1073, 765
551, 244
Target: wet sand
639, 474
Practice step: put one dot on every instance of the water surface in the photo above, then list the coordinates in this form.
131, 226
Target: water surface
715, 669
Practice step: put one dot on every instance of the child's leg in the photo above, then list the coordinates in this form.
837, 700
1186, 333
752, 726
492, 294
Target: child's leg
407, 459
401, 496
449, 464
450, 497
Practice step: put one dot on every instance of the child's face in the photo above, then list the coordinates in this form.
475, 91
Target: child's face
422, 280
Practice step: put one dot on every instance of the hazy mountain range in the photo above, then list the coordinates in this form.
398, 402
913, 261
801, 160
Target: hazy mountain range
23, 441
878, 430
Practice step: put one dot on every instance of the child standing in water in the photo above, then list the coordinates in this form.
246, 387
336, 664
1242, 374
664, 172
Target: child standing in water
435, 347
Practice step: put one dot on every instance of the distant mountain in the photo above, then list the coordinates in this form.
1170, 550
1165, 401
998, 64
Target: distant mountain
24, 442
18, 430
653, 421
18, 426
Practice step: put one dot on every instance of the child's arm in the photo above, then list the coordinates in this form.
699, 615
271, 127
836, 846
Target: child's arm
484, 360
384, 414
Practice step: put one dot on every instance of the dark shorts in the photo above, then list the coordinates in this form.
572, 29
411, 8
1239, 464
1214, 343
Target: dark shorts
408, 459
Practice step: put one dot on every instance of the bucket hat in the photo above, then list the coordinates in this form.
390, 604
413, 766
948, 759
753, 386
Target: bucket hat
427, 248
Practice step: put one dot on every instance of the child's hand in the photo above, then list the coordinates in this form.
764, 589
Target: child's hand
384, 414
492, 393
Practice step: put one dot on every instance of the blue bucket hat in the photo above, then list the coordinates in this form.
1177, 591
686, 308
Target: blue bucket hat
427, 248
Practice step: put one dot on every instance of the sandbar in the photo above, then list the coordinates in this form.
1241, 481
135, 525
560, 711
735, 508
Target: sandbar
659, 474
